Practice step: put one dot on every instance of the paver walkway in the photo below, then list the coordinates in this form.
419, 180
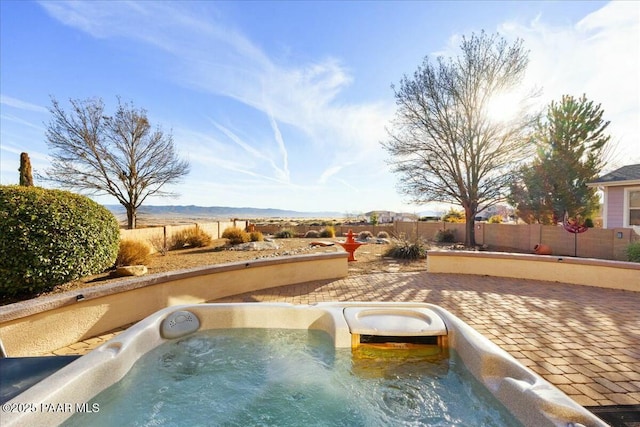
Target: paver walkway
584, 340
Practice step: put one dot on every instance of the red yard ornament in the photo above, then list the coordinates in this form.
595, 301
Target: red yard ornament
350, 245
572, 225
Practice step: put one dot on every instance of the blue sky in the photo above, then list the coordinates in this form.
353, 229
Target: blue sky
284, 104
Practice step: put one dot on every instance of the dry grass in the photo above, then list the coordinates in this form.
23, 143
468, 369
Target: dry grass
132, 252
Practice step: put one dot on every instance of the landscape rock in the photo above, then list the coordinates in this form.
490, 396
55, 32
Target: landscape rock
254, 246
131, 270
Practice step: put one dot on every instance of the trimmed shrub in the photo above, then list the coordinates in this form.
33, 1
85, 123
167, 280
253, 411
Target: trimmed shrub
312, 234
382, 235
236, 235
408, 250
445, 236
364, 235
328, 232
284, 234
633, 252
256, 236
133, 252
588, 223
50, 237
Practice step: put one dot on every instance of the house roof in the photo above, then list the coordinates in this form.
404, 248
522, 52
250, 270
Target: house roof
619, 176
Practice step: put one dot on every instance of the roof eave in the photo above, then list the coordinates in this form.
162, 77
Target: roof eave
626, 183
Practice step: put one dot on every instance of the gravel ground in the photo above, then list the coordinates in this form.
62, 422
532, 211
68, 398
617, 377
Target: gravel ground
370, 259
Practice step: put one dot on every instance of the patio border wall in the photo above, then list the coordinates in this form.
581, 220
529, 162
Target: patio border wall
39, 326
577, 271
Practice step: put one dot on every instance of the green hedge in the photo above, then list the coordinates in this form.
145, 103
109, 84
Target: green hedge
49, 237
633, 252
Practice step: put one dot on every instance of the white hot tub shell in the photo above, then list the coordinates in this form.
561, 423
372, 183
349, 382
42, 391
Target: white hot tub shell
530, 398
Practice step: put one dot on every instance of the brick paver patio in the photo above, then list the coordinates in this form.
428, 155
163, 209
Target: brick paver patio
582, 339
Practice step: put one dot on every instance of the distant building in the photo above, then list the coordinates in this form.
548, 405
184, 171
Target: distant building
387, 217
621, 204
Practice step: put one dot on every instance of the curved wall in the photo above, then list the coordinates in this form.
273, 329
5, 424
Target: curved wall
39, 326
577, 271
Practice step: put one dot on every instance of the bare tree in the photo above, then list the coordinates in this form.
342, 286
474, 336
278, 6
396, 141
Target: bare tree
119, 155
444, 143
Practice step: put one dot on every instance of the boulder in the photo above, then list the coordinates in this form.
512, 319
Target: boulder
131, 270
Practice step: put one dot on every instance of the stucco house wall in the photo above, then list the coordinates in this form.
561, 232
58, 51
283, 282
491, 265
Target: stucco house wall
618, 187
614, 204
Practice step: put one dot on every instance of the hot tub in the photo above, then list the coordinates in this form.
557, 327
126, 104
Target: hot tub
396, 331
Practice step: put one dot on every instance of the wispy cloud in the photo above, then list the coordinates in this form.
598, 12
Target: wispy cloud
281, 174
284, 171
213, 57
22, 105
18, 120
329, 172
598, 56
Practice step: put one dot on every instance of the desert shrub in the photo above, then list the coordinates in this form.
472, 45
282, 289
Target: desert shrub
406, 249
189, 238
50, 237
445, 236
177, 241
328, 232
256, 236
236, 235
312, 234
198, 238
284, 234
633, 252
159, 244
133, 252
364, 235
382, 235
495, 219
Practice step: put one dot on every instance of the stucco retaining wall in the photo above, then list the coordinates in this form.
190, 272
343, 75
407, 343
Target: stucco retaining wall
35, 327
577, 271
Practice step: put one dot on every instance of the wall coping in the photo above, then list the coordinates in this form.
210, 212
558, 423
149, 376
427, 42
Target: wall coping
51, 302
540, 258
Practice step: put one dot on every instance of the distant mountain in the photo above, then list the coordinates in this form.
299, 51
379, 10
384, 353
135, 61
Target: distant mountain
222, 212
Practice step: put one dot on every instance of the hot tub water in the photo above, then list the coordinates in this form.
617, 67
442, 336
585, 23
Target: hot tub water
239, 377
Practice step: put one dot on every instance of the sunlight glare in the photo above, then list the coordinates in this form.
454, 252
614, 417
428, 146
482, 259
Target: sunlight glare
503, 107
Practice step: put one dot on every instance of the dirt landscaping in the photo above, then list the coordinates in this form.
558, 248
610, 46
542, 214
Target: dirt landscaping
370, 259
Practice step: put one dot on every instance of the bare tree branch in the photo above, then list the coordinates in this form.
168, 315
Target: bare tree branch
119, 155
443, 144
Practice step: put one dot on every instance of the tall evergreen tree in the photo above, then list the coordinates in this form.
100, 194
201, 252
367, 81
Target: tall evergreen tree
571, 142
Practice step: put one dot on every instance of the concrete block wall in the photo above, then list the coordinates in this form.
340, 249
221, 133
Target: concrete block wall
599, 243
595, 243
505, 236
157, 237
